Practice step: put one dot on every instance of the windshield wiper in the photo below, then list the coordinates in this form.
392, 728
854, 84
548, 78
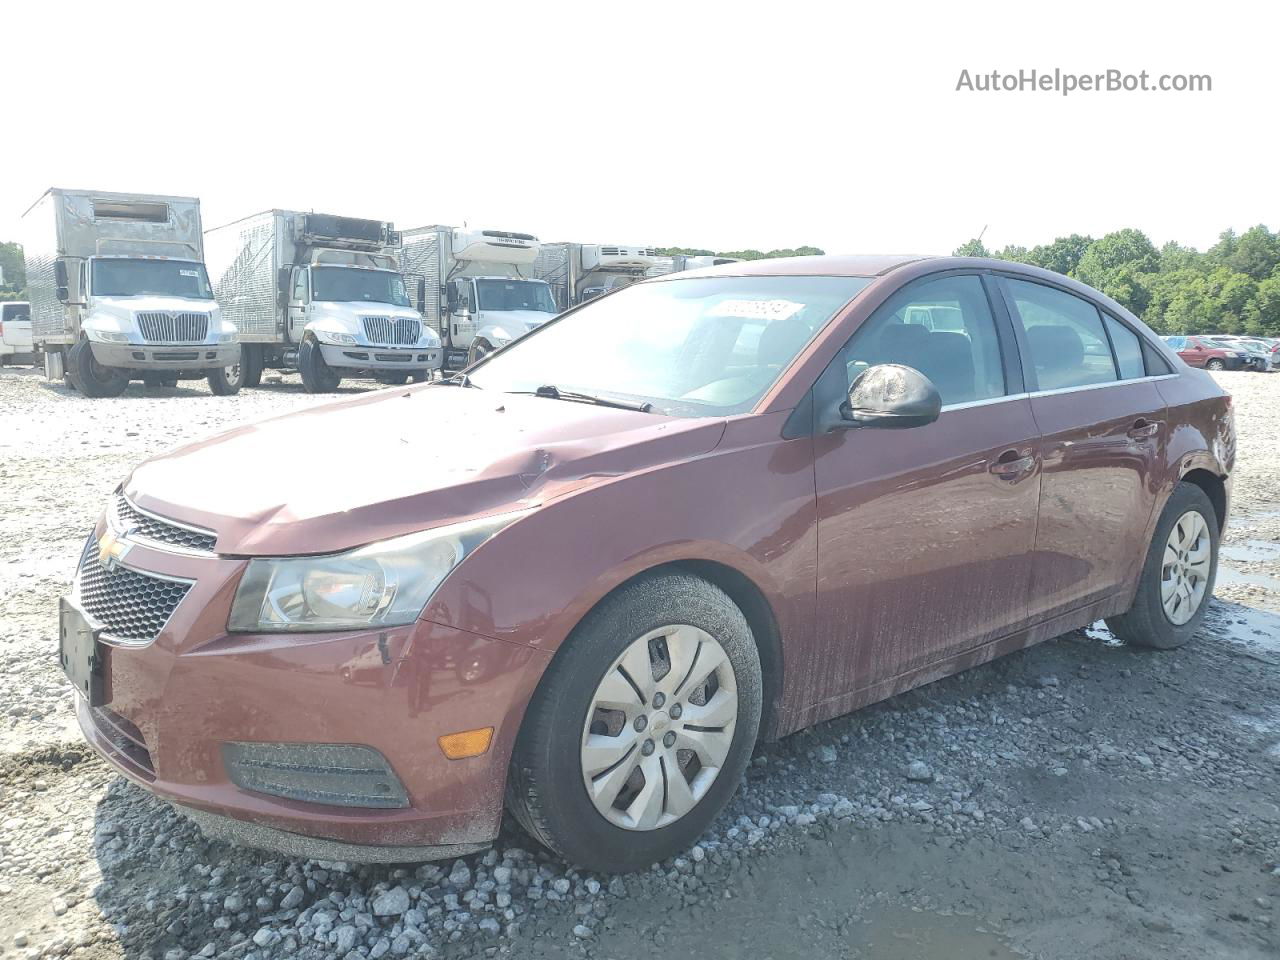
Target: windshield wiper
555, 393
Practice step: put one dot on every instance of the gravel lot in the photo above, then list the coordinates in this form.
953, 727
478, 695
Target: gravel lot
1080, 799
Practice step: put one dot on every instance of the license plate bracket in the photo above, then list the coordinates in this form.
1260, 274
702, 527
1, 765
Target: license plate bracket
82, 654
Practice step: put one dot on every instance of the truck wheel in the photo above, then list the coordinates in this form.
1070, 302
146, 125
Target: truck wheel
1177, 577
250, 365
317, 376
91, 378
225, 381
641, 727
478, 350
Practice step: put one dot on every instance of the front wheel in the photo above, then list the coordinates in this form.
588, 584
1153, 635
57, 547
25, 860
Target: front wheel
226, 381
641, 728
1214, 364
92, 378
317, 376
478, 350
1178, 574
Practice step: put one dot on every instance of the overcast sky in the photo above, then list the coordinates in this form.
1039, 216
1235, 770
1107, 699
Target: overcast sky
711, 125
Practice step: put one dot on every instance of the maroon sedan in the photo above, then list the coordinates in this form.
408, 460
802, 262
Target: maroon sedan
583, 579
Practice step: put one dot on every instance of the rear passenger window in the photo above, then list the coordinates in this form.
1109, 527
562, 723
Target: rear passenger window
1128, 349
1064, 334
944, 329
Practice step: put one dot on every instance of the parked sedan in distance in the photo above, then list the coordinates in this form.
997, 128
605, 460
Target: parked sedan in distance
583, 578
1263, 356
15, 330
1204, 352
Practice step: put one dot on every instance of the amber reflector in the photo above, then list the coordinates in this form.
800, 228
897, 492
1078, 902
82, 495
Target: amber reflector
467, 743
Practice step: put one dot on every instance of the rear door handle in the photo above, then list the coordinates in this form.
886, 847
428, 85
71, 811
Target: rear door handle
1012, 464
1143, 428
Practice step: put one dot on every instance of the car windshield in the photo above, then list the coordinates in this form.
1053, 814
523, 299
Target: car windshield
706, 346
161, 278
354, 285
515, 295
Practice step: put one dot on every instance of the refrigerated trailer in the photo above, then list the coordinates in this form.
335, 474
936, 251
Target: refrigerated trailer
322, 295
119, 292
680, 262
577, 272
479, 292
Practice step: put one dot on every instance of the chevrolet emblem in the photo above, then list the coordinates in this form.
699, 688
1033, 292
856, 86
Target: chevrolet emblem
112, 549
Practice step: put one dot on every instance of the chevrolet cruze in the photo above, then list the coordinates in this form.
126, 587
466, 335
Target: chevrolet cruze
583, 579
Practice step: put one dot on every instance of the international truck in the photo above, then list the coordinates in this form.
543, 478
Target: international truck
320, 294
119, 292
578, 272
479, 288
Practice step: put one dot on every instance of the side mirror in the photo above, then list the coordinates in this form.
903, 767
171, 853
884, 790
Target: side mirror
60, 273
284, 286
893, 396
422, 293
63, 294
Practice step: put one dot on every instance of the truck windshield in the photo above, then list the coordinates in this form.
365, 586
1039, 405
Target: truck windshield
352, 285
702, 346
159, 278
515, 295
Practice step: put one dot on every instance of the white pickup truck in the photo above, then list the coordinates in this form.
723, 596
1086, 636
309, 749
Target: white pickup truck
15, 330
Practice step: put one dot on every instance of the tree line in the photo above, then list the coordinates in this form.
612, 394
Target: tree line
1233, 287
741, 254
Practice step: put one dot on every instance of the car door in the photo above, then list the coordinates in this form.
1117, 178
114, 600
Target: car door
925, 534
299, 298
1194, 352
1103, 426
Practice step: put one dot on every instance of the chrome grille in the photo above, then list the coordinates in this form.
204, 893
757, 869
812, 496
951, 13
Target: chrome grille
131, 606
392, 332
126, 516
174, 327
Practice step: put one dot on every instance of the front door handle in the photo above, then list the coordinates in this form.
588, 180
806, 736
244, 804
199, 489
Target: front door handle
1012, 464
1143, 428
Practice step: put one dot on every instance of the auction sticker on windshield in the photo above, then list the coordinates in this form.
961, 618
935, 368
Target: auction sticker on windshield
756, 309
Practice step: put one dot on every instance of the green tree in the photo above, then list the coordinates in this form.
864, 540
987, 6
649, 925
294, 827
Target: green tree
971, 248
14, 269
1263, 310
1256, 253
1116, 265
1063, 255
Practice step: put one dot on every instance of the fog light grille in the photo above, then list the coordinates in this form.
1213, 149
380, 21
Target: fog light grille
344, 775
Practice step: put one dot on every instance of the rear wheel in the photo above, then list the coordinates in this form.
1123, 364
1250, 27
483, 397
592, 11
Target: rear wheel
250, 365
1178, 574
91, 378
1214, 364
641, 728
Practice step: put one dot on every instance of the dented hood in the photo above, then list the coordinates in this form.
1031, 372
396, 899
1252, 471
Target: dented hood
398, 461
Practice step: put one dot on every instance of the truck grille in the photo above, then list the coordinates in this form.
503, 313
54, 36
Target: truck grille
126, 516
174, 327
132, 607
388, 332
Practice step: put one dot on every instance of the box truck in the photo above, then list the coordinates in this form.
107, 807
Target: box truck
479, 288
320, 294
680, 262
119, 292
577, 272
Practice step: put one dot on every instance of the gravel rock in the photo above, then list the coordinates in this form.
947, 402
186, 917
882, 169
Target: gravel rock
392, 903
919, 771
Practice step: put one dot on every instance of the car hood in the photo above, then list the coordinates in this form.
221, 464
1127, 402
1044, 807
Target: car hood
398, 461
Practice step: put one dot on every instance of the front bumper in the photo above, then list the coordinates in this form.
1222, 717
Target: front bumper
153, 356
381, 358
174, 702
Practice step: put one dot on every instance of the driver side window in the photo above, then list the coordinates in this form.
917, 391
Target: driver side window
300, 285
944, 329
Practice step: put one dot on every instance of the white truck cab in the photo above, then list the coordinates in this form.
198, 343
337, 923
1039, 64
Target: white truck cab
478, 289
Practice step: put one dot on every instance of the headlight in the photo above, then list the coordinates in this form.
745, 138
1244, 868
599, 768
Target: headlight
429, 338
227, 337
106, 336
382, 584
344, 339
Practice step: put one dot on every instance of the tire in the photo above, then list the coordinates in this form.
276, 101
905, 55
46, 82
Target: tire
547, 788
317, 376
250, 365
91, 378
1214, 364
225, 381
478, 350
1149, 623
